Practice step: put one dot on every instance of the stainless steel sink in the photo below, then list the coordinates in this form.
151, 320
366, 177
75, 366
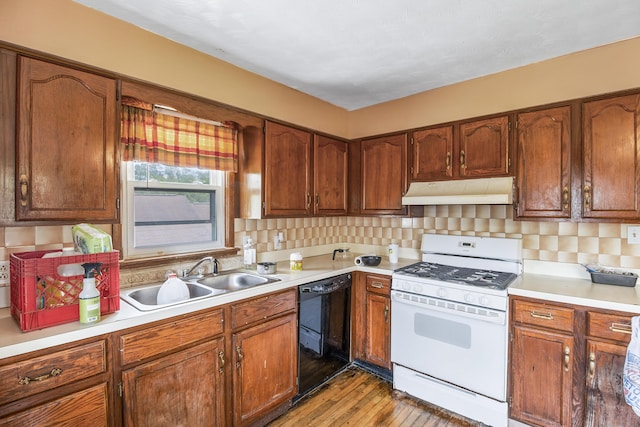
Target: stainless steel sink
146, 299
235, 281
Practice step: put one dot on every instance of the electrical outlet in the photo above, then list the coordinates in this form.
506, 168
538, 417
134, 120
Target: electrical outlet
4, 272
633, 234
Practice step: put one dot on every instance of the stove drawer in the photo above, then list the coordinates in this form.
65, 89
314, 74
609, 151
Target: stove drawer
545, 315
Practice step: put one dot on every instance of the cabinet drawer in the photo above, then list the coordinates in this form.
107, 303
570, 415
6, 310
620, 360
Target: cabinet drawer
610, 326
149, 342
545, 315
35, 375
379, 284
262, 308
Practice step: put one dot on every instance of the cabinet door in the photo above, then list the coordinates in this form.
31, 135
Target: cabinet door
484, 148
84, 407
66, 144
384, 174
605, 392
432, 154
330, 176
265, 368
544, 163
611, 158
184, 388
541, 377
378, 341
287, 189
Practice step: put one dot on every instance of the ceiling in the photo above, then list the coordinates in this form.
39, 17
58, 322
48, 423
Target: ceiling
357, 53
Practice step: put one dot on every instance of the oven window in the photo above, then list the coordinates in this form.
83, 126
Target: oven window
443, 330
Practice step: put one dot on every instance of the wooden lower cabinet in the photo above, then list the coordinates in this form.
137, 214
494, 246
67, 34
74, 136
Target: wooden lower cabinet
371, 314
84, 407
608, 337
264, 358
183, 388
566, 365
67, 385
541, 377
265, 368
173, 373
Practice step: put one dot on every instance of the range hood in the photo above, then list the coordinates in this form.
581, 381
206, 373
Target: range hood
481, 191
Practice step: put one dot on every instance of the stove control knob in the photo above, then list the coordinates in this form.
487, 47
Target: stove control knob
484, 301
417, 288
406, 286
442, 293
468, 298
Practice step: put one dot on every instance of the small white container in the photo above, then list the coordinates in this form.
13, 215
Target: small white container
295, 260
393, 253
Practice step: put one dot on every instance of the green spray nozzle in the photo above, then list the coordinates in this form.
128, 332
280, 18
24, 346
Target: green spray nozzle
90, 268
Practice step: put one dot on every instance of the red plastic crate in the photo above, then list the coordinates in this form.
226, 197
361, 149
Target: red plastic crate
40, 297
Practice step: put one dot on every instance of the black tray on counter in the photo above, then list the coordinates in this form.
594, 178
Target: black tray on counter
611, 278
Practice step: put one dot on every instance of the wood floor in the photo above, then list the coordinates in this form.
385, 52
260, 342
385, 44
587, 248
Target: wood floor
358, 398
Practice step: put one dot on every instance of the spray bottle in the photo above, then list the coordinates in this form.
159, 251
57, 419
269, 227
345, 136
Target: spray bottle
90, 296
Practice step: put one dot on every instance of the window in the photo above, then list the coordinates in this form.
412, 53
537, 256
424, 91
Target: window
171, 210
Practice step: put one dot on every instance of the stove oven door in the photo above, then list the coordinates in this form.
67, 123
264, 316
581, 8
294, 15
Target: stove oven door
458, 343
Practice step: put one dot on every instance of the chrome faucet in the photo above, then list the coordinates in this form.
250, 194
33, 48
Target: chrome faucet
212, 260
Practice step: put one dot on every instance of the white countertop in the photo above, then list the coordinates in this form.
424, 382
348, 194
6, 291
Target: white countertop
577, 291
14, 342
557, 288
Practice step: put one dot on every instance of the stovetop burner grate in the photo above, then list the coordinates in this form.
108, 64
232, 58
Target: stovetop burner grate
463, 275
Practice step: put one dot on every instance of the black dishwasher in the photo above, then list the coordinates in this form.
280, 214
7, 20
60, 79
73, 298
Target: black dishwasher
323, 330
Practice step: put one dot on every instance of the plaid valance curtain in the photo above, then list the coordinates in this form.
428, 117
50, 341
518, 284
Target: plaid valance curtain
149, 136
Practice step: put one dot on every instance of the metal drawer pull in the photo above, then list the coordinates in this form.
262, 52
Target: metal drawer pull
386, 314
240, 356
540, 315
54, 373
24, 190
221, 357
623, 328
592, 364
565, 197
567, 353
376, 285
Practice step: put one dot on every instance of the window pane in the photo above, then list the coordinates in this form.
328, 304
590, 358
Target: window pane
166, 217
155, 172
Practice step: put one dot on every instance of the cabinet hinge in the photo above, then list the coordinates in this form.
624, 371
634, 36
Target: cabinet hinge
509, 125
120, 389
510, 401
411, 171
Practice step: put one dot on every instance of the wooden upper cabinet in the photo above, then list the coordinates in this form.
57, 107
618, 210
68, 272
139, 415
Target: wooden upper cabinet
66, 144
330, 171
611, 158
384, 176
484, 148
432, 154
544, 163
287, 172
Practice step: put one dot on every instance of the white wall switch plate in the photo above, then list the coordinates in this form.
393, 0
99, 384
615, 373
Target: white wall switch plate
633, 234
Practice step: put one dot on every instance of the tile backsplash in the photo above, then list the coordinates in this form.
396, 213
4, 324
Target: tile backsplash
603, 243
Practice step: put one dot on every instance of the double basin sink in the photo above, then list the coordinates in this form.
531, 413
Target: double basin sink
146, 299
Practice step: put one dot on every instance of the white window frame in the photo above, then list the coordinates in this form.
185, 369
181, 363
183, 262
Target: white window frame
130, 251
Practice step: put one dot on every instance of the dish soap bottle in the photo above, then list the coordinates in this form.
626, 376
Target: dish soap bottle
90, 296
249, 253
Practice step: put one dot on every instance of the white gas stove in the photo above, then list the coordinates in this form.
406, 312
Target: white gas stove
449, 320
